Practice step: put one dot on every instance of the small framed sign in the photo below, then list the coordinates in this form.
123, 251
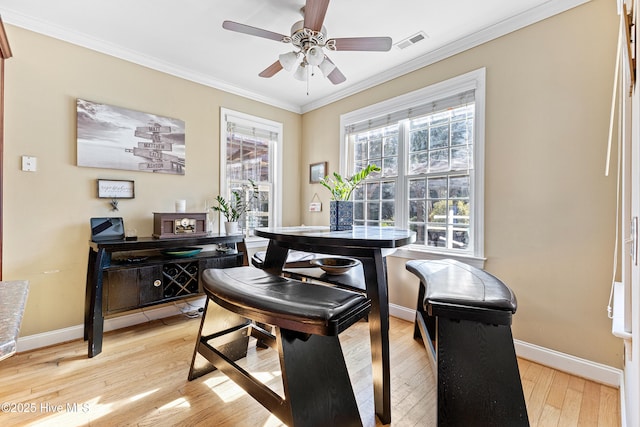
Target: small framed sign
315, 207
316, 204
115, 189
317, 171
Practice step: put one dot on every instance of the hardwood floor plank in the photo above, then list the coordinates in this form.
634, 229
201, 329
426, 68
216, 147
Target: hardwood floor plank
529, 379
609, 410
536, 402
141, 379
590, 406
570, 412
558, 389
576, 383
550, 416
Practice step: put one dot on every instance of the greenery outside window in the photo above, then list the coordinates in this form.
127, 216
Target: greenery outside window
429, 144
250, 149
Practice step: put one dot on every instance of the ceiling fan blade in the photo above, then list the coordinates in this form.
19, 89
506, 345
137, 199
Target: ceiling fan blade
253, 31
271, 70
314, 12
381, 44
336, 76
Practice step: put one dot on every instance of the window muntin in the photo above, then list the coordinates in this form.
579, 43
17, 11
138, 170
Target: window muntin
432, 164
440, 160
248, 158
250, 152
374, 202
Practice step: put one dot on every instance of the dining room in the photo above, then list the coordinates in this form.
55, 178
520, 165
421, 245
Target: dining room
528, 110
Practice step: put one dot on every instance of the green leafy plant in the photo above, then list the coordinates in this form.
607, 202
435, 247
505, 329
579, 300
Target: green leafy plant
240, 201
341, 188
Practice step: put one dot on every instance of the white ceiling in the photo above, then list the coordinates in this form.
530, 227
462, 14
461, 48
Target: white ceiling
185, 38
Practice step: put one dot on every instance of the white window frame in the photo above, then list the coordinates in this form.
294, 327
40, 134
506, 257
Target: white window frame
248, 120
474, 80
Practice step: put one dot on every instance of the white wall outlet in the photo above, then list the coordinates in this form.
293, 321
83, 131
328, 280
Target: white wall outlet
29, 163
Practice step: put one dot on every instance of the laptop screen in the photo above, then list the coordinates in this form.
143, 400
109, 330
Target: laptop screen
107, 229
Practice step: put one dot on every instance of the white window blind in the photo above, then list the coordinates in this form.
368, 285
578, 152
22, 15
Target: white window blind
429, 145
411, 112
250, 151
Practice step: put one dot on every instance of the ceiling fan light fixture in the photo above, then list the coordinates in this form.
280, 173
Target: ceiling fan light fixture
288, 60
309, 40
326, 67
315, 56
301, 73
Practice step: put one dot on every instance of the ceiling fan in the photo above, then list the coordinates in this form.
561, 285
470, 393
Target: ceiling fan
309, 38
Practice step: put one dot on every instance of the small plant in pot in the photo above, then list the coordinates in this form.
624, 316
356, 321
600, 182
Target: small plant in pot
340, 206
240, 202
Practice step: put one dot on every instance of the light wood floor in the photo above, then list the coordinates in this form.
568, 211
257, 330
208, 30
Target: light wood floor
141, 379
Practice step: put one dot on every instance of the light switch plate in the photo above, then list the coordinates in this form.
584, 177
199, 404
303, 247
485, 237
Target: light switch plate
29, 163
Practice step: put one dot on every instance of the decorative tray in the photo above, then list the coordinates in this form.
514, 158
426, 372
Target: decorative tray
181, 252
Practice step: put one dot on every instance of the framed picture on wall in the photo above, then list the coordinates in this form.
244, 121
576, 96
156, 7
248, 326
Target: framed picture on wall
118, 138
317, 171
115, 189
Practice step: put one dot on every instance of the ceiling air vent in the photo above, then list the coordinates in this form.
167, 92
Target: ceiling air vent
410, 41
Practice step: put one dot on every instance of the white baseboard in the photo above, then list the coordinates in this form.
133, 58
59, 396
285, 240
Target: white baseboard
598, 372
58, 336
554, 359
401, 312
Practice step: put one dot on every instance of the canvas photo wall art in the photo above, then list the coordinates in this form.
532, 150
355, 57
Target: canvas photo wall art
118, 138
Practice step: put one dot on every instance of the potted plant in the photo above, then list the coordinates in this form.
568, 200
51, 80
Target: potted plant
241, 200
340, 206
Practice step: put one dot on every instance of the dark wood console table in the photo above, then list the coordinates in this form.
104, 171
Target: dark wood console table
143, 281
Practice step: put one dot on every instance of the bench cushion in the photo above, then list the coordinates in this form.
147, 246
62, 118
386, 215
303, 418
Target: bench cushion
455, 284
286, 303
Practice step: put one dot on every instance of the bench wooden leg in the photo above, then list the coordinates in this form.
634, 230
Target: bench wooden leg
316, 381
422, 316
478, 377
424, 328
233, 340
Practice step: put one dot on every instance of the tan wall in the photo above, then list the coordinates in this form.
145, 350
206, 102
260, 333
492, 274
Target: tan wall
46, 213
549, 209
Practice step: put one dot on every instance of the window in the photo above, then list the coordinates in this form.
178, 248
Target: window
251, 150
429, 144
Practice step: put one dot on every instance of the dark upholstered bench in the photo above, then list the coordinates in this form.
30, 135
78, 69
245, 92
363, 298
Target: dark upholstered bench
307, 320
468, 313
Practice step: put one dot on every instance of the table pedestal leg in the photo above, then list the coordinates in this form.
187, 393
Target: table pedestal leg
275, 258
375, 273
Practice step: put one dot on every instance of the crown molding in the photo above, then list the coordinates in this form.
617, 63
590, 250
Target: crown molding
539, 13
80, 39
532, 16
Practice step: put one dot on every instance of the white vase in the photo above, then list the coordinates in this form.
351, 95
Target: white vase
231, 228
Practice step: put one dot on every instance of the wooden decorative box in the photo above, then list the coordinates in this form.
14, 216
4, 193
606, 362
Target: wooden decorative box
175, 225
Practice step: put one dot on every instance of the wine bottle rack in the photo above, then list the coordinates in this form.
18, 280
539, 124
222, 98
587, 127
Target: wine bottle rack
180, 279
